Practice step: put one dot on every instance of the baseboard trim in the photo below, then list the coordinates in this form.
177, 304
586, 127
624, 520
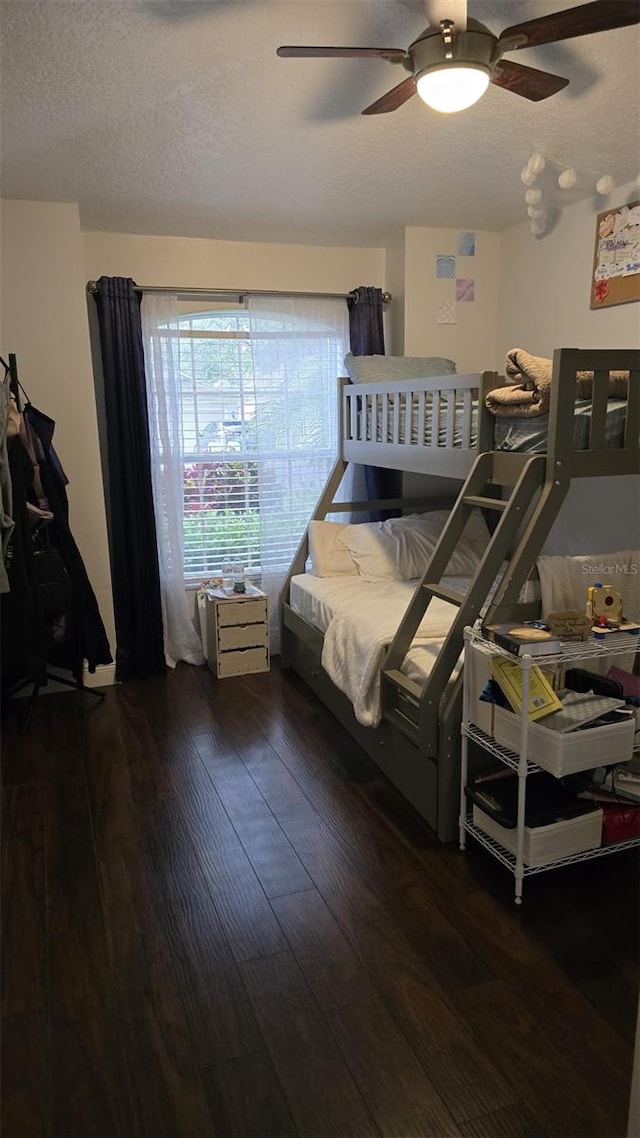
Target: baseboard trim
104, 676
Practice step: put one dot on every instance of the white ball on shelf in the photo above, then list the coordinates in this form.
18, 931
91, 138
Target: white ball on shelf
537, 212
527, 177
537, 228
536, 163
567, 179
605, 184
532, 197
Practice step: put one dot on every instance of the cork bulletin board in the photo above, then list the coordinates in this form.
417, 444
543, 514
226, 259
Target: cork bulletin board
615, 278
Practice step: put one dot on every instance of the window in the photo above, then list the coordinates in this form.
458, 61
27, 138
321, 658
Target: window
259, 434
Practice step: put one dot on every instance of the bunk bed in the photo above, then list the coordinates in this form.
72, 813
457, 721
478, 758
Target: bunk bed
517, 473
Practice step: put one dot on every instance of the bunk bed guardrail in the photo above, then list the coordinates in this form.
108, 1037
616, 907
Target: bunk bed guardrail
404, 424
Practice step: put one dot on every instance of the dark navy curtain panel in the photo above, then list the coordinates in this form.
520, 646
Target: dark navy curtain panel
366, 336
134, 551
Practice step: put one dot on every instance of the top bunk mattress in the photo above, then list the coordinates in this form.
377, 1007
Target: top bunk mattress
530, 434
449, 421
457, 425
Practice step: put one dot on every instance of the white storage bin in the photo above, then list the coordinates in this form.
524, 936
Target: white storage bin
478, 668
545, 844
567, 753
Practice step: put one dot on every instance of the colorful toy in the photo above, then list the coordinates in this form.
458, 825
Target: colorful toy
604, 605
604, 609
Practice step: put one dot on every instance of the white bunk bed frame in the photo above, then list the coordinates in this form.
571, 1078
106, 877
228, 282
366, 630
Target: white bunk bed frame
409, 426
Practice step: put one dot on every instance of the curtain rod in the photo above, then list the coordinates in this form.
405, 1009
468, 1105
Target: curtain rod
94, 287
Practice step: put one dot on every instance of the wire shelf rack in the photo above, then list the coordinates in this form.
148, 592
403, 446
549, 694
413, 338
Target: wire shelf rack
509, 860
510, 758
612, 644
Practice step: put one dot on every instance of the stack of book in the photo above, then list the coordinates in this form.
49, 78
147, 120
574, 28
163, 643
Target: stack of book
542, 698
522, 639
561, 711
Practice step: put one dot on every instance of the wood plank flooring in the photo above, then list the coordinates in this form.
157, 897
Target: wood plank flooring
219, 918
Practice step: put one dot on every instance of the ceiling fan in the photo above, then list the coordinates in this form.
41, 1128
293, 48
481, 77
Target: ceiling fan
455, 59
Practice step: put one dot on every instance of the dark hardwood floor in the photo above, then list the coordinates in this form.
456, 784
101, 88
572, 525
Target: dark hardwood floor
220, 919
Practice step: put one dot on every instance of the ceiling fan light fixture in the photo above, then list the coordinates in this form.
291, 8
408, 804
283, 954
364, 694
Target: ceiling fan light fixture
452, 87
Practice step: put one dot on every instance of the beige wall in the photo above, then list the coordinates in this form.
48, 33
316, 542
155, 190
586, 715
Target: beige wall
199, 263
545, 287
471, 341
44, 321
395, 283
2, 339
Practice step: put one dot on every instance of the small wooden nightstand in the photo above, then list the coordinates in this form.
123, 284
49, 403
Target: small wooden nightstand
237, 632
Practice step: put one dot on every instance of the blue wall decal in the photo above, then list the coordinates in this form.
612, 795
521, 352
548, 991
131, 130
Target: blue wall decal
446, 266
466, 245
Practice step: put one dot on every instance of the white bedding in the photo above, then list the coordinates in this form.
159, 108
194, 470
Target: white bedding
359, 620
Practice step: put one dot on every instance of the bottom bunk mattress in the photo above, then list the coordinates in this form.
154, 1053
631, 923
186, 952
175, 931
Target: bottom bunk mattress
359, 620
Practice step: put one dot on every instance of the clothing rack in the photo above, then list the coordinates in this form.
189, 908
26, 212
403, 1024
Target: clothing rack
77, 684
14, 383
239, 293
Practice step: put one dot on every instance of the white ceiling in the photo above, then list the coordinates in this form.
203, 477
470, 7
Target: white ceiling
176, 117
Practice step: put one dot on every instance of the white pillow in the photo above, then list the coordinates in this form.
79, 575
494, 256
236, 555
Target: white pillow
375, 369
475, 533
400, 548
328, 558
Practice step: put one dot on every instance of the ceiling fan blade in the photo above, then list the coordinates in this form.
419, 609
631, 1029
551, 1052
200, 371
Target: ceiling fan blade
455, 10
599, 16
290, 51
527, 81
393, 98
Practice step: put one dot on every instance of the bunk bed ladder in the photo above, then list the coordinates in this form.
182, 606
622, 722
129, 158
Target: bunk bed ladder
519, 535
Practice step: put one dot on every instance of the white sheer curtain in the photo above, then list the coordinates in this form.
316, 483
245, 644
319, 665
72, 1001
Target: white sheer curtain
298, 347
161, 342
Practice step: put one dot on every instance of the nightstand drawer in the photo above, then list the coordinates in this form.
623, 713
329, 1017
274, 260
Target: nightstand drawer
243, 662
242, 636
242, 612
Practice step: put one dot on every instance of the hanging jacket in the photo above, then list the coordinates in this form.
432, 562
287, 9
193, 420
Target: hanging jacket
89, 639
6, 496
24, 643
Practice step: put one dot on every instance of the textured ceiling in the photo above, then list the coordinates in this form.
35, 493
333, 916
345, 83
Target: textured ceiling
176, 117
